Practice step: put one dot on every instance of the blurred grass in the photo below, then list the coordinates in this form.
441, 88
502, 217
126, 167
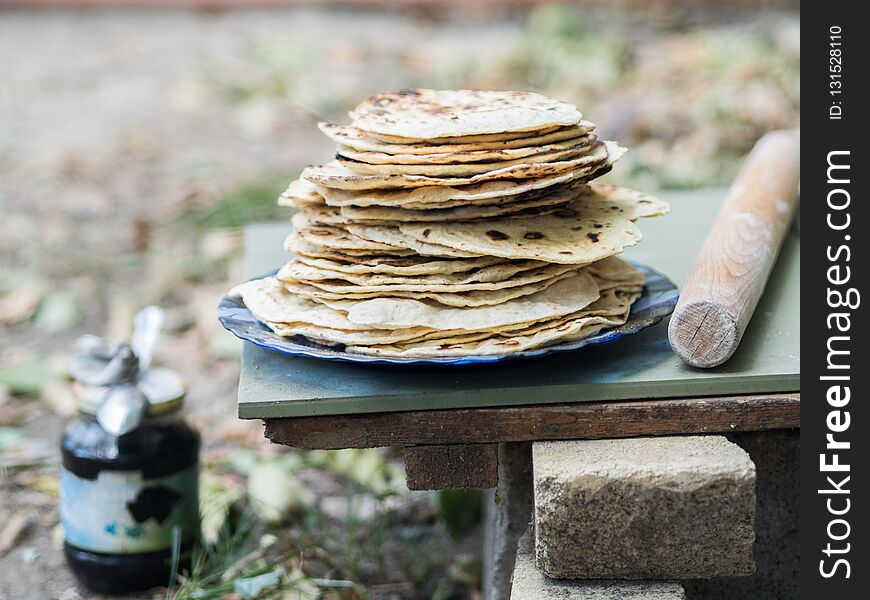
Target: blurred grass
384, 535
252, 202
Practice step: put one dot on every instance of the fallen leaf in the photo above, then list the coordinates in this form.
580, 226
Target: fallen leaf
10, 437
119, 324
223, 344
216, 499
44, 484
59, 311
305, 588
242, 460
366, 466
14, 528
142, 231
219, 244
20, 304
59, 397
276, 493
70, 594
466, 569
233, 429
27, 377
444, 590
18, 452
30, 555
251, 587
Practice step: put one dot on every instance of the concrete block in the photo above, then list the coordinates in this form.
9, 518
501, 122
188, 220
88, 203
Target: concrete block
644, 508
530, 584
776, 455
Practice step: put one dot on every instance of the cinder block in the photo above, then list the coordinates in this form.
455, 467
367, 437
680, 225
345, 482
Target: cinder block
776, 455
530, 584
644, 508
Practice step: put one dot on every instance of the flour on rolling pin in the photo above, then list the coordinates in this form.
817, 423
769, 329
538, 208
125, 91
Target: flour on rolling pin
729, 275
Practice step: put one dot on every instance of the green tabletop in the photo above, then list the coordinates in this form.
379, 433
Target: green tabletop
635, 367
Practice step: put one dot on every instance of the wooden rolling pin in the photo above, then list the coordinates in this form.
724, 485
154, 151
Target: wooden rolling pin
719, 297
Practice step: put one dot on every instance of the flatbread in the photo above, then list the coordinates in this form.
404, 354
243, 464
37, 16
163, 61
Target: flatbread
301, 193
323, 215
296, 245
337, 337
614, 305
393, 236
458, 299
347, 215
427, 114
596, 225
527, 315
330, 325
336, 238
567, 296
478, 156
376, 215
485, 138
468, 169
350, 137
296, 271
270, 301
614, 272
446, 282
340, 238
290, 315
386, 215
577, 328
396, 216
610, 303
399, 266
456, 223
490, 192
333, 174
328, 336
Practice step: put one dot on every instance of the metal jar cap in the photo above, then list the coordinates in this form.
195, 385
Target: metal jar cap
163, 388
115, 381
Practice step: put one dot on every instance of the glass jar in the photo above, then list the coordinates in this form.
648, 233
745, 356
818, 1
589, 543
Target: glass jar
127, 500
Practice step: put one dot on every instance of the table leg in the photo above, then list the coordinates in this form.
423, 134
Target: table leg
440, 467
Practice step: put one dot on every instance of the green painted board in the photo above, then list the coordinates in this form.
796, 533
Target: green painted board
635, 367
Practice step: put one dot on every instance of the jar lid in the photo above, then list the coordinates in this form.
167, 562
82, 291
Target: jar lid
164, 389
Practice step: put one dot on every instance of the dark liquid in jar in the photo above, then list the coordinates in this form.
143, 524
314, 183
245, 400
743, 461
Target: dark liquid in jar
120, 498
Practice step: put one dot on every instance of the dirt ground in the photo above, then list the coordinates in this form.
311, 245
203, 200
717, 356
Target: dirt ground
134, 145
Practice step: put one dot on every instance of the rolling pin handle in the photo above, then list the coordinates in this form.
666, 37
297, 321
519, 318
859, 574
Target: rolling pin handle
721, 292
704, 334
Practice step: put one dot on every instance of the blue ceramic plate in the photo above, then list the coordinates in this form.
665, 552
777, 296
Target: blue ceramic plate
658, 300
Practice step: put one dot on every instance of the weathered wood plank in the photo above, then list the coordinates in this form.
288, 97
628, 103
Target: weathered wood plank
588, 420
441, 467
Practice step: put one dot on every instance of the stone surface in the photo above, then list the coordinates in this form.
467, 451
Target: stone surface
644, 508
507, 513
776, 455
530, 584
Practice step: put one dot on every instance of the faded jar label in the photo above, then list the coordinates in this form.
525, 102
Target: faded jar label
119, 512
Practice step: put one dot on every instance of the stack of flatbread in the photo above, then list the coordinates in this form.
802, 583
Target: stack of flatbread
456, 223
